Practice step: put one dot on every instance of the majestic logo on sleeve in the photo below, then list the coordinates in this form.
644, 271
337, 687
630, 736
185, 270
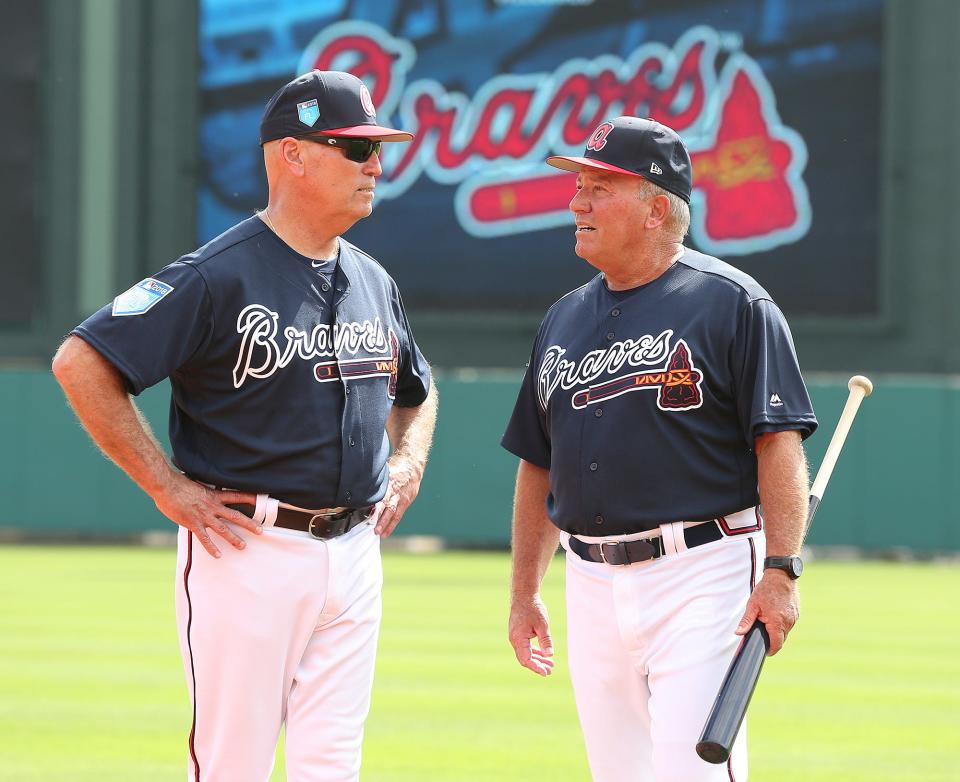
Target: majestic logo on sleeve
677, 383
262, 354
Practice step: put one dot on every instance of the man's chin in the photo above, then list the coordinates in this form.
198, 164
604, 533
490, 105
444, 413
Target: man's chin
583, 252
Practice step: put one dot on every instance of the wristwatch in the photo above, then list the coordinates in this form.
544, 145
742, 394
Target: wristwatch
792, 566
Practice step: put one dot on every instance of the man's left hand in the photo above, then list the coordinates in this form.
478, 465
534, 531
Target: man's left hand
402, 490
775, 602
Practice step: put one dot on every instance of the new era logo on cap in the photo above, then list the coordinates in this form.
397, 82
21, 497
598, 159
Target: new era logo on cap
638, 147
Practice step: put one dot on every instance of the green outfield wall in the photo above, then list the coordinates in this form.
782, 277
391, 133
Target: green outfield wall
896, 485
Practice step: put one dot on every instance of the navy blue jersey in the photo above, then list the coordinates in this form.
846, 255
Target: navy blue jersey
283, 370
644, 404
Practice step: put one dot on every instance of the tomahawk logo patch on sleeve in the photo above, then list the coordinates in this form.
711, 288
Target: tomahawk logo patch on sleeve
141, 297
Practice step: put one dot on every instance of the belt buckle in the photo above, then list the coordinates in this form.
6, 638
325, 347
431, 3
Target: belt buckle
603, 554
332, 514
648, 551
312, 522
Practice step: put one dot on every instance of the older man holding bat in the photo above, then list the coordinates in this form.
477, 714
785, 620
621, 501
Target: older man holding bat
662, 405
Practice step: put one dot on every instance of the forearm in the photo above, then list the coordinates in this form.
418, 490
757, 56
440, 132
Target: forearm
410, 430
97, 395
784, 491
535, 537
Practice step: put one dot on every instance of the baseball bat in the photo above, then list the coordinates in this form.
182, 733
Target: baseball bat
730, 707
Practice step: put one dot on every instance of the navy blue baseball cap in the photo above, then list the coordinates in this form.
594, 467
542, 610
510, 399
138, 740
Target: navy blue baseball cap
639, 147
327, 102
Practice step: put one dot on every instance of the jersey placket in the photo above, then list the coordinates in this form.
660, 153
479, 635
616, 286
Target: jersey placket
351, 441
591, 428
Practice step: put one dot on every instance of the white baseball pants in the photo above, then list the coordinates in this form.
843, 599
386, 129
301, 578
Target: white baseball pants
649, 644
284, 631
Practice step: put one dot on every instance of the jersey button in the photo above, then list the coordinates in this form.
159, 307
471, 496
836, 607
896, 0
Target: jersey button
598, 519
593, 466
325, 287
348, 496
610, 336
615, 312
352, 443
347, 390
598, 412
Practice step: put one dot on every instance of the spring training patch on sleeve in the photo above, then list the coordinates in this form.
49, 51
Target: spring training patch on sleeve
141, 297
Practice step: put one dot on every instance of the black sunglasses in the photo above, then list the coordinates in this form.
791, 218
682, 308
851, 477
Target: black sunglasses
359, 150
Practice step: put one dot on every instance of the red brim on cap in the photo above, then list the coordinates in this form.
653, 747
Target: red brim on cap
375, 132
577, 163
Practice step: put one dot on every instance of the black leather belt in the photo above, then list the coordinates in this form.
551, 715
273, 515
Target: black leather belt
618, 552
323, 525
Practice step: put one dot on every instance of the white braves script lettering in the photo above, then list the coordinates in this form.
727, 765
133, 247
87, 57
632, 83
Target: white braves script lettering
261, 355
555, 370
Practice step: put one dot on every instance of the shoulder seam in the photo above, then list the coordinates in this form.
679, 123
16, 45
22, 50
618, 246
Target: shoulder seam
221, 250
364, 252
213, 310
570, 293
750, 297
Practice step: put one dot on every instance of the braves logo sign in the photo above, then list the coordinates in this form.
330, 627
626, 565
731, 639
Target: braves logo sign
748, 196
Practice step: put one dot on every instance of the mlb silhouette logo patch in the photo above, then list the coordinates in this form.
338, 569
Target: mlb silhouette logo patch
140, 298
309, 112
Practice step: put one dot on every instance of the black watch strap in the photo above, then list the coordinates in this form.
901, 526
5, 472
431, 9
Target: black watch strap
792, 566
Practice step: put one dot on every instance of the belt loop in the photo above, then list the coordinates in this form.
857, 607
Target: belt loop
677, 538
260, 509
271, 506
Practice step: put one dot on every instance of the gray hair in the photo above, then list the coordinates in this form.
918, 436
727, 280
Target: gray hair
678, 219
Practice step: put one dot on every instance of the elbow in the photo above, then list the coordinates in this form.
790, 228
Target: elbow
63, 361
71, 362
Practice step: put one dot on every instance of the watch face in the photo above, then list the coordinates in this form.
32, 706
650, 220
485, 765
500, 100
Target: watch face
796, 566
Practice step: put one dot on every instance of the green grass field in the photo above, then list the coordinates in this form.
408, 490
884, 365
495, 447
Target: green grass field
92, 689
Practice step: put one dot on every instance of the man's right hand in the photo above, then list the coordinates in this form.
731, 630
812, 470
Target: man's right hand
200, 509
528, 619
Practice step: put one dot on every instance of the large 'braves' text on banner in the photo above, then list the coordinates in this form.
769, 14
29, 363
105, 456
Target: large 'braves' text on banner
749, 194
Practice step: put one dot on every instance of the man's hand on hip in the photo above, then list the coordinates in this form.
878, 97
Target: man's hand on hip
775, 602
402, 489
200, 509
528, 619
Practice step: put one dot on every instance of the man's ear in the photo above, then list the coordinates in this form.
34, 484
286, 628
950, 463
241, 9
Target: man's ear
659, 211
291, 154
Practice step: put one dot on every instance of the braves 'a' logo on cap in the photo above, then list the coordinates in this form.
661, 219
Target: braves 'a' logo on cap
599, 138
366, 101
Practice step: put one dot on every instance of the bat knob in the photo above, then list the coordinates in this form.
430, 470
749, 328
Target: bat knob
712, 752
859, 381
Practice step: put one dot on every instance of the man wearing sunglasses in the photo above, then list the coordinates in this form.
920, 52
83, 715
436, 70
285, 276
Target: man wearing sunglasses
294, 374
